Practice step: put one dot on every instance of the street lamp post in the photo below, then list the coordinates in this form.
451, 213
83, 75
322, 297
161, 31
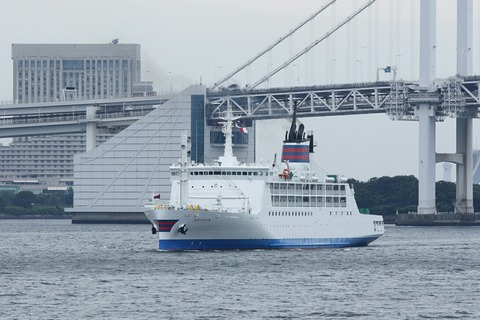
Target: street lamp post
171, 89
215, 73
298, 73
378, 75
332, 70
361, 68
268, 72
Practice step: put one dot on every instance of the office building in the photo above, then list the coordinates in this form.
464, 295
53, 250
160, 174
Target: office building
55, 72
40, 162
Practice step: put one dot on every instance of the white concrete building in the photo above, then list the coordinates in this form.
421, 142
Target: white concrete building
114, 180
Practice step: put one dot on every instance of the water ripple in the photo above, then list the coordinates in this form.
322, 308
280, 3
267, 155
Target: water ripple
55, 270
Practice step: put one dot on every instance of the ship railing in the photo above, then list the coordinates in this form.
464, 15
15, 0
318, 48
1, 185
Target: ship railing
192, 207
334, 192
284, 192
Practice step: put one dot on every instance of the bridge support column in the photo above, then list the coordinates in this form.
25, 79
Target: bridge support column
425, 109
426, 166
464, 196
91, 128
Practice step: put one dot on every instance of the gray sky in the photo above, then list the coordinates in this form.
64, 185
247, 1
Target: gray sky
188, 41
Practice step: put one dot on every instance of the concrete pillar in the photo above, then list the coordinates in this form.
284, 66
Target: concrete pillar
464, 194
427, 43
91, 128
425, 110
426, 167
464, 37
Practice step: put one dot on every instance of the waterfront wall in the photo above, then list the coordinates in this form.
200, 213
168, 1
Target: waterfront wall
443, 219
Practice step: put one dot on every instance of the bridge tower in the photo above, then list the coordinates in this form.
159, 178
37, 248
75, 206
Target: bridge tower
425, 108
428, 104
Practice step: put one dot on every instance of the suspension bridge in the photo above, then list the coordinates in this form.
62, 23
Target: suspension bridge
427, 100
377, 88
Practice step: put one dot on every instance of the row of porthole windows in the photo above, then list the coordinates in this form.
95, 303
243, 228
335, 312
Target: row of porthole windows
226, 173
341, 213
306, 186
290, 213
203, 187
223, 173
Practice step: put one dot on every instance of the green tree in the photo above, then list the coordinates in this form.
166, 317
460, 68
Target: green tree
386, 195
24, 199
68, 198
445, 194
6, 198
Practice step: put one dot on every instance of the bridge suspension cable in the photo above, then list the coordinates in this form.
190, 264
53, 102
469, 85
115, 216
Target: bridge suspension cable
301, 53
215, 85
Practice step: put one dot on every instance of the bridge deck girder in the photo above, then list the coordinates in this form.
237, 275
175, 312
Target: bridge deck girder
365, 98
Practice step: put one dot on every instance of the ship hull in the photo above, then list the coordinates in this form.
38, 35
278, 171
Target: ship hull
249, 244
211, 230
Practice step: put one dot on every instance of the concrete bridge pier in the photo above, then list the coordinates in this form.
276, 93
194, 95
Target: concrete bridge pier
426, 108
91, 127
463, 159
464, 194
426, 166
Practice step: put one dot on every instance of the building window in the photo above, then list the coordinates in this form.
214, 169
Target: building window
197, 128
73, 65
217, 137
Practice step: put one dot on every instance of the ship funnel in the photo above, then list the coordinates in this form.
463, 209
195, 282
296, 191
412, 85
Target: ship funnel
295, 147
292, 134
300, 136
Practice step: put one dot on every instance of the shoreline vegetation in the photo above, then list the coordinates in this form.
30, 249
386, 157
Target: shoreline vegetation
38, 212
386, 196
27, 205
36, 217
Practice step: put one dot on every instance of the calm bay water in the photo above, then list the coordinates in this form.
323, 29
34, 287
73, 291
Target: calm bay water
51, 269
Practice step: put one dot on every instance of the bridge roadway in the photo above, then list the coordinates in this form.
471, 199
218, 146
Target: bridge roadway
63, 117
396, 99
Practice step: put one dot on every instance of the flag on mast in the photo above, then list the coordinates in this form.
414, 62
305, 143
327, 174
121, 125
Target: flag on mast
241, 127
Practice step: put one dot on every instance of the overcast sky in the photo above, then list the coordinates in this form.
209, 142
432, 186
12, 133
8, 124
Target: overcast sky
191, 41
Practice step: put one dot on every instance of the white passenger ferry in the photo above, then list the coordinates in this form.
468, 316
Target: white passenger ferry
228, 205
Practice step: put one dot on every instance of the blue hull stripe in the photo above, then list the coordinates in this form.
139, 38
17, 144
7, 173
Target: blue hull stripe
233, 244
